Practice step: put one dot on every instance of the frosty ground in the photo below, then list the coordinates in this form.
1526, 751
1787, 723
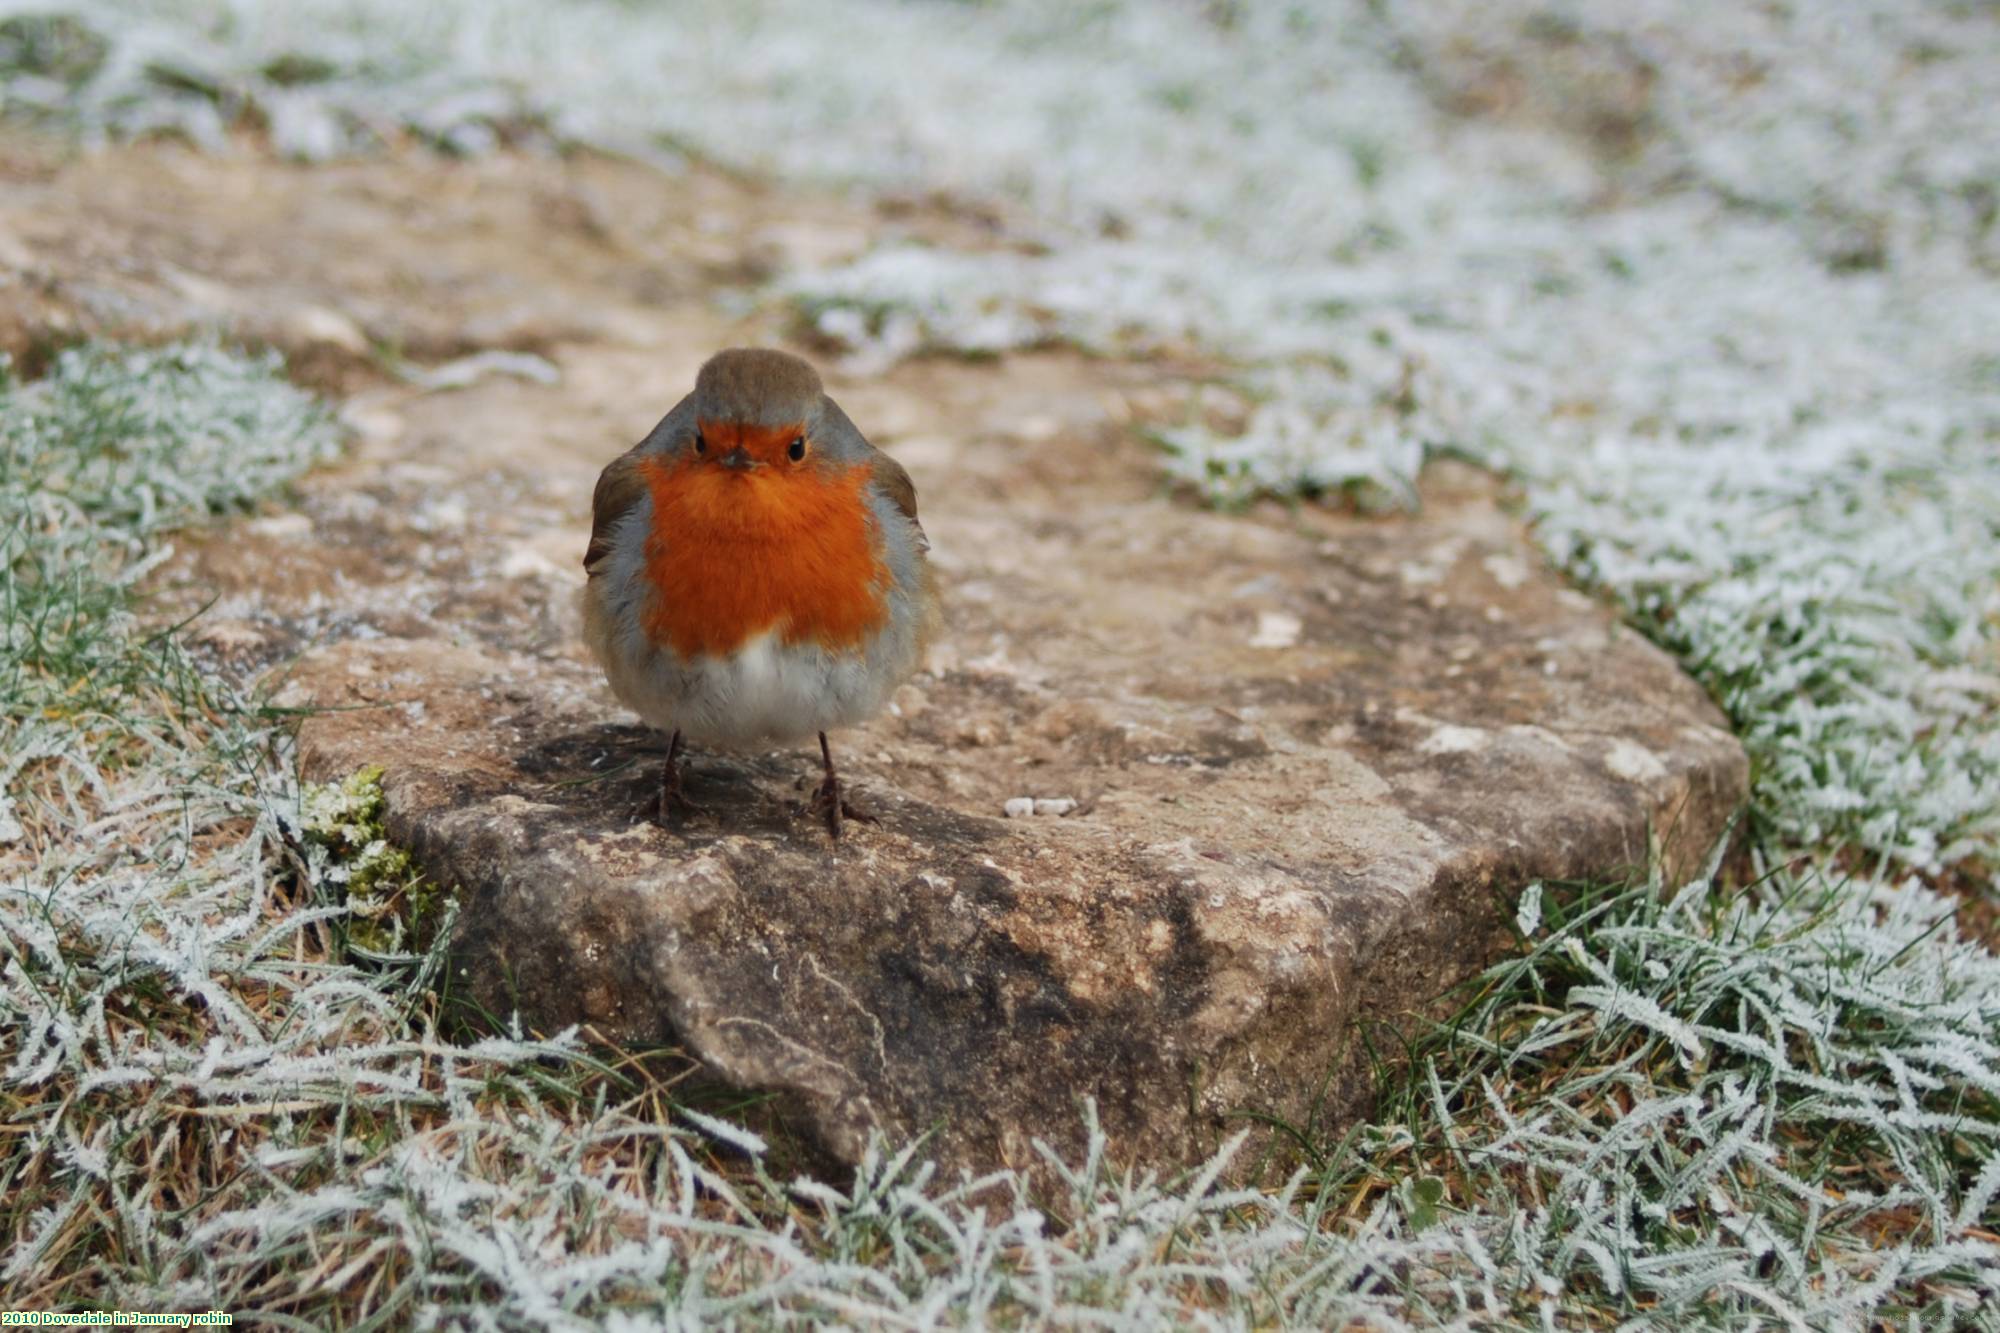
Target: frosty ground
1710, 285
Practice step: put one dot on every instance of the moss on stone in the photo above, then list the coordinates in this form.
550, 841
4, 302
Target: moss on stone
393, 905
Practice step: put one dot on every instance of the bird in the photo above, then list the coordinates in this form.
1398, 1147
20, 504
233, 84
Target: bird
756, 573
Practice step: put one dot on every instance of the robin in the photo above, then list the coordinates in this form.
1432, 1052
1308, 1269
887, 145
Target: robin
756, 570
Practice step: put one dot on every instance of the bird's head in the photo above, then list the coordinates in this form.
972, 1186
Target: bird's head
761, 414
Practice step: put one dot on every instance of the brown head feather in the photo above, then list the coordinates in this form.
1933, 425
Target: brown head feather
757, 386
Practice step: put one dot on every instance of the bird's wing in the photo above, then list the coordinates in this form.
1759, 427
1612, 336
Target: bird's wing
902, 492
620, 486
886, 471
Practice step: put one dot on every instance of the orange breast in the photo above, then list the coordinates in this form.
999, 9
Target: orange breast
737, 555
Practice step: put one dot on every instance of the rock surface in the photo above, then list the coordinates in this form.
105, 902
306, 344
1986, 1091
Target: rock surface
1270, 775
1313, 761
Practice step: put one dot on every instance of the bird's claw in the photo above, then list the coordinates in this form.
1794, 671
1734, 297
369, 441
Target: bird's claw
829, 804
669, 808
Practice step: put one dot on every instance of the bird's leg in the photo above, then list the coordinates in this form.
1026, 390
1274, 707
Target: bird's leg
671, 800
828, 800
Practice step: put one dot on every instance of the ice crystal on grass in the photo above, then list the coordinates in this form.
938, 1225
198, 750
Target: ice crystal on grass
1316, 430
1835, 588
1773, 1105
97, 460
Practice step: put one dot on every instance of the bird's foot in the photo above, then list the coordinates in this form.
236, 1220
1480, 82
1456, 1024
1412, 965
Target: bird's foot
831, 805
671, 807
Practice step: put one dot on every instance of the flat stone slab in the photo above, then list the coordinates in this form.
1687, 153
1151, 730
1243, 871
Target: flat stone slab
1313, 759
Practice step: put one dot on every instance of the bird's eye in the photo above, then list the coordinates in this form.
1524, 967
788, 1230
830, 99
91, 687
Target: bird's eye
798, 450
700, 444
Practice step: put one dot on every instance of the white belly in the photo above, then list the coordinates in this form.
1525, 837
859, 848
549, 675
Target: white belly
764, 693
767, 692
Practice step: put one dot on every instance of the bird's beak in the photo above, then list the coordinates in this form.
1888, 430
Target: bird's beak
739, 460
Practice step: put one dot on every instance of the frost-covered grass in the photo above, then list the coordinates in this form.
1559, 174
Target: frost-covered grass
1838, 590
99, 459
1716, 282
1777, 1106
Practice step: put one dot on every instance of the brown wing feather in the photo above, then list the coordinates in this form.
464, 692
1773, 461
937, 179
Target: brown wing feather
902, 492
620, 486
